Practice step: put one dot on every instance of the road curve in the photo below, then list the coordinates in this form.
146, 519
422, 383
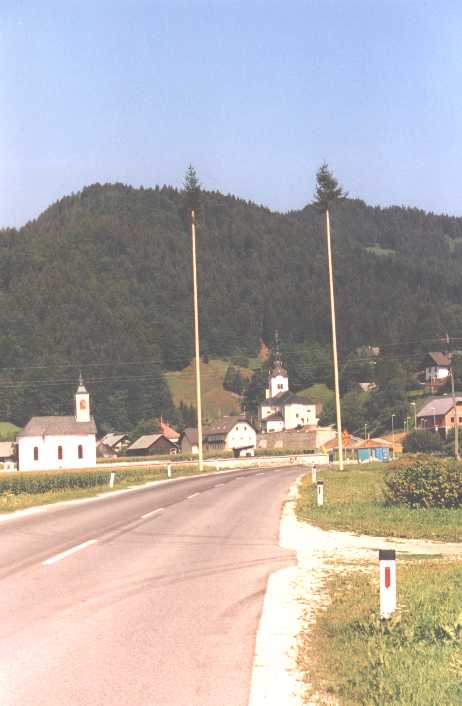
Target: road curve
145, 598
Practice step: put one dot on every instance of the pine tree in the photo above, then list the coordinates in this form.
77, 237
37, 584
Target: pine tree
327, 190
192, 190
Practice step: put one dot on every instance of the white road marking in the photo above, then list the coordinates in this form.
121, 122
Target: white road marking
153, 512
192, 496
63, 555
217, 485
259, 474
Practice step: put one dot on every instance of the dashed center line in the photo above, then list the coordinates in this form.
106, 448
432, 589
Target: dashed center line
68, 552
259, 474
153, 512
192, 496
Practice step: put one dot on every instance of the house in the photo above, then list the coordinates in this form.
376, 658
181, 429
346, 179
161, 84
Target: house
282, 410
116, 442
52, 443
438, 414
104, 450
437, 366
231, 433
6, 451
349, 445
150, 444
169, 432
188, 441
374, 450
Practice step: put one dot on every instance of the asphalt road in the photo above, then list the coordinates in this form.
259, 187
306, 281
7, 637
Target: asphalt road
149, 597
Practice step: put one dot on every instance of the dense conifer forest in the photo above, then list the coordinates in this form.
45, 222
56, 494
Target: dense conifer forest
101, 282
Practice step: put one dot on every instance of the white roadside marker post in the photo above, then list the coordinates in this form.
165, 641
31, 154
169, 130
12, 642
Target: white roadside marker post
320, 492
111, 480
387, 570
313, 473
169, 471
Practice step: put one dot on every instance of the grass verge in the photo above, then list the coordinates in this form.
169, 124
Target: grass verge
354, 502
414, 659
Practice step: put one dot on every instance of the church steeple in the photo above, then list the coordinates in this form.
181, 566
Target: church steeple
82, 402
278, 378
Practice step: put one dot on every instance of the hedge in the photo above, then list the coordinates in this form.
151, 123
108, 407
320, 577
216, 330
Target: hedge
425, 482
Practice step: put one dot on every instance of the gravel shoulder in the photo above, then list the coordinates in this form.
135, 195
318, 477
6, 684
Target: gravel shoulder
294, 595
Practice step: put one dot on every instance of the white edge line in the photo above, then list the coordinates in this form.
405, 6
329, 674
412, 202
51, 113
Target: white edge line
153, 512
192, 496
77, 548
217, 485
259, 474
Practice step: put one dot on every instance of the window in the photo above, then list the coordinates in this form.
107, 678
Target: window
36, 458
280, 385
452, 419
83, 404
80, 451
60, 453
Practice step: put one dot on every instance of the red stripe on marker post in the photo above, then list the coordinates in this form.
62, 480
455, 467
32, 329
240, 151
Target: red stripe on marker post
387, 571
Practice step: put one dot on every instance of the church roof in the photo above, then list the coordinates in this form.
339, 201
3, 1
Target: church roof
57, 426
284, 398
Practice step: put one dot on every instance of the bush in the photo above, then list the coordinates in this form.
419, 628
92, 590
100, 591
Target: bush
423, 442
426, 482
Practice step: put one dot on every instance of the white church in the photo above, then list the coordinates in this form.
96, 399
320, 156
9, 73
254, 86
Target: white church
282, 409
53, 443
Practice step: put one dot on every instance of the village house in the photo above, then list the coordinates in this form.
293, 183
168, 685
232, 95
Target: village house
116, 442
436, 367
230, 433
282, 410
150, 444
438, 414
52, 443
169, 432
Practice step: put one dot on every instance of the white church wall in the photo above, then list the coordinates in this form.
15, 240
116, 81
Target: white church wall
48, 452
299, 415
278, 384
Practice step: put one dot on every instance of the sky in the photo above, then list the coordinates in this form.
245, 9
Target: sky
256, 95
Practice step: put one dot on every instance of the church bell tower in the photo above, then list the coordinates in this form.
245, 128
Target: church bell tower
82, 403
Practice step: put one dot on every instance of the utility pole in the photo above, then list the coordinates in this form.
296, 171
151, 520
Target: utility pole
334, 344
196, 343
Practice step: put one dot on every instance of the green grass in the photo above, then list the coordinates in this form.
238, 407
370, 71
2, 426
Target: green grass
381, 252
317, 394
414, 659
8, 431
216, 400
354, 502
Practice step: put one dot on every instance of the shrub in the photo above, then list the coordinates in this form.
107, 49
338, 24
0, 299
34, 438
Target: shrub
423, 441
425, 481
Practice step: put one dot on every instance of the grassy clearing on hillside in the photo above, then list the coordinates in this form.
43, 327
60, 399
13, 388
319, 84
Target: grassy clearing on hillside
216, 400
8, 431
354, 502
317, 394
414, 659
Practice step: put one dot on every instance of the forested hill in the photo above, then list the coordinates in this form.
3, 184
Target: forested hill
101, 281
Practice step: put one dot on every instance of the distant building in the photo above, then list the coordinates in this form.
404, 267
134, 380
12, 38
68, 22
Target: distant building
52, 443
169, 432
150, 444
230, 433
438, 414
282, 410
116, 442
6, 451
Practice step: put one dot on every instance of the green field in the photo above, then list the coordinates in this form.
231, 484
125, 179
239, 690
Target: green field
8, 431
216, 400
354, 502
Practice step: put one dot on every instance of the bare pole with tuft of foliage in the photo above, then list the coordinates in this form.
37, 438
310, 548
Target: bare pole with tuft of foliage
328, 192
192, 194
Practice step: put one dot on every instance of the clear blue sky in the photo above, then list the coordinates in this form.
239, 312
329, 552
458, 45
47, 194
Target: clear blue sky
255, 94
